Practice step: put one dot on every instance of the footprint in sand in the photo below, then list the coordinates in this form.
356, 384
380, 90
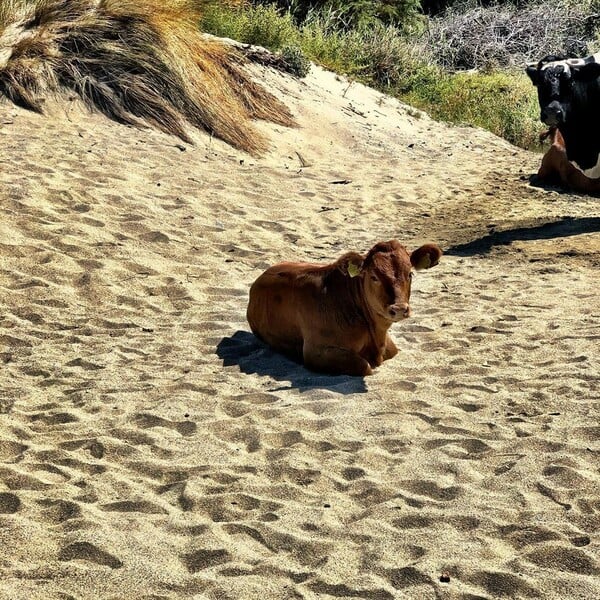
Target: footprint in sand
9, 503
500, 584
459, 448
285, 439
413, 522
581, 540
84, 364
205, 558
141, 506
340, 590
352, 473
89, 552
146, 421
431, 490
521, 536
406, 577
11, 451
59, 418
304, 550
155, 237
58, 511
564, 558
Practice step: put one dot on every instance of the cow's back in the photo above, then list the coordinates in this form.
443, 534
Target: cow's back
282, 303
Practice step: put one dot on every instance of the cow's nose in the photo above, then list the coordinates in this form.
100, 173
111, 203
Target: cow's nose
553, 114
399, 311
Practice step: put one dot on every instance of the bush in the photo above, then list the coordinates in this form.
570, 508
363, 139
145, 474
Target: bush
469, 36
502, 103
403, 13
384, 57
376, 54
294, 61
324, 42
258, 25
388, 60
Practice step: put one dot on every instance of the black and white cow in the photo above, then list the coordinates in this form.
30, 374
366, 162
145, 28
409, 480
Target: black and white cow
569, 96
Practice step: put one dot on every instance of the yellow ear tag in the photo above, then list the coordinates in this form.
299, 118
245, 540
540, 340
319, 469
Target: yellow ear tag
353, 270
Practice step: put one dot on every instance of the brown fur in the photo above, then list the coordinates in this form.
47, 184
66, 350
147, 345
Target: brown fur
137, 61
556, 167
335, 318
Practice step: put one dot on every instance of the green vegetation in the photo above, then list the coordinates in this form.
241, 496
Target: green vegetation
406, 13
259, 25
143, 63
504, 103
384, 44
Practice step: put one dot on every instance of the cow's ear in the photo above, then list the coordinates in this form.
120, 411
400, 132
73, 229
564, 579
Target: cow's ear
351, 264
425, 257
533, 73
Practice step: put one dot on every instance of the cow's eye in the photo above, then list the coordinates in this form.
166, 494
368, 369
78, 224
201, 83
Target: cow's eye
375, 278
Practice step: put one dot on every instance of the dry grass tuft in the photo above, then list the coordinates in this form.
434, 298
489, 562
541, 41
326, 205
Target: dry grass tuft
141, 62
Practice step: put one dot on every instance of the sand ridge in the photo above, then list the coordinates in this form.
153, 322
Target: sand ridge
151, 447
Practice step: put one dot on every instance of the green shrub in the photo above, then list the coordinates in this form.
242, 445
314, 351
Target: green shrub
258, 25
404, 13
324, 42
295, 61
384, 57
377, 54
503, 103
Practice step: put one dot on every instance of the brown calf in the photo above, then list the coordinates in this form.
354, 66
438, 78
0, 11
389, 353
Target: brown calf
335, 318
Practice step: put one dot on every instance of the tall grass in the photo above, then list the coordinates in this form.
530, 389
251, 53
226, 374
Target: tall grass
383, 57
140, 62
501, 102
262, 25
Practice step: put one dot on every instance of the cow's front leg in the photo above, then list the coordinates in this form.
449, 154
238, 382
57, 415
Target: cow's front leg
335, 360
550, 167
390, 349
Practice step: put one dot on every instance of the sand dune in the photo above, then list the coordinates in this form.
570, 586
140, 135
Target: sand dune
151, 447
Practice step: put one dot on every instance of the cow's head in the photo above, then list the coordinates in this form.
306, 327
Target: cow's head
555, 78
386, 273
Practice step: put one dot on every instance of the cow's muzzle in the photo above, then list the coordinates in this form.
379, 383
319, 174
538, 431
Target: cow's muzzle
553, 114
397, 312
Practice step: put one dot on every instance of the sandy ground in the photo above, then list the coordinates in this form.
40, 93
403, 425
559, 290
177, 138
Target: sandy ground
151, 447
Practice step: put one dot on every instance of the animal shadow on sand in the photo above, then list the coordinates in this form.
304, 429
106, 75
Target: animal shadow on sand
553, 183
253, 356
529, 230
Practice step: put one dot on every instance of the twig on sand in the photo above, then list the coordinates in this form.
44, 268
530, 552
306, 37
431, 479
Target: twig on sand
138, 274
303, 162
355, 111
497, 454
